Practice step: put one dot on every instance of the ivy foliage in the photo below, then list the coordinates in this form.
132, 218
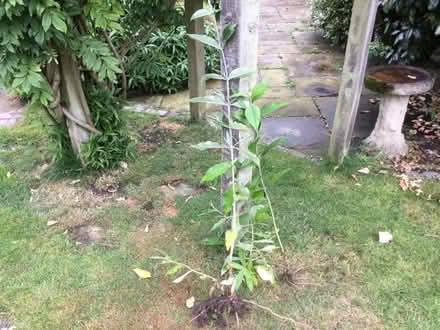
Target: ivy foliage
34, 32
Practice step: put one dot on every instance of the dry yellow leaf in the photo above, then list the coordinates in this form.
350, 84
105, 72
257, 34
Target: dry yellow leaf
143, 274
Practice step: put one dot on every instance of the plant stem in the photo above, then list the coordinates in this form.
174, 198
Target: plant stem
269, 202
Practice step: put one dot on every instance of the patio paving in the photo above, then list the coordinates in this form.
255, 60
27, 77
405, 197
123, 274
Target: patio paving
292, 55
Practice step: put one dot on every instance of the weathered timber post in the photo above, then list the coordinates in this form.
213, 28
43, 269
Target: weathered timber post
196, 58
241, 51
352, 80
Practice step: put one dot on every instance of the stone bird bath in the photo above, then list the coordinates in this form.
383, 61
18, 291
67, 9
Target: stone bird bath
395, 83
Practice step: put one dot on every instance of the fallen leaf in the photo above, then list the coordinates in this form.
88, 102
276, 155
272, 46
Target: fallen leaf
143, 274
75, 182
190, 302
51, 223
265, 274
404, 184
147, 228
412, 77
355, 178
385, 237
364, 170
124, 165
8, 175
383, 172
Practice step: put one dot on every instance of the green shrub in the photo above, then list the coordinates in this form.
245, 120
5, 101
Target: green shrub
114, 144
332, 19
408, 30
411, 28
101, 151
161, 64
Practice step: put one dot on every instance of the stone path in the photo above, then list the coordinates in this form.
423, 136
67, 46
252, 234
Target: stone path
303, 70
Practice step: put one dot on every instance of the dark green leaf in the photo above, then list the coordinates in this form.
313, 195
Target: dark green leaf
216, 171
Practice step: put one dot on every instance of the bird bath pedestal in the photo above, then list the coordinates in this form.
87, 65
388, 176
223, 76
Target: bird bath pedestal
396, 83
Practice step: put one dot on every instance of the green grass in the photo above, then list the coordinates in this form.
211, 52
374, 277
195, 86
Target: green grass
345, 278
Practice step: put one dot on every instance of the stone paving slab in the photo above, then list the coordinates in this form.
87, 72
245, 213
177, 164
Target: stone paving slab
297, 107
317, 86
280, 93
366, 118
313, 65
275, 78
302, 133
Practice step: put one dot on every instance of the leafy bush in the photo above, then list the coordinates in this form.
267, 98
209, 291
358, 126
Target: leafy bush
408, 29
114, 144
411, 28
332, 19
161, 64
101, 151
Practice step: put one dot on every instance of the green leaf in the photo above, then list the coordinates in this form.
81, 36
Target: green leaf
433, 4
258, 91
255, 209
228, 32
230, 239
253, 116
211, 99
58, 22
207, 145
47, 20
174, 270
214, 76
240, 73
273, 145
242, 194
238, 280
202, 13
216, 171
252, 157
204, 39
277, 176
272, 107
228, 200
213, 241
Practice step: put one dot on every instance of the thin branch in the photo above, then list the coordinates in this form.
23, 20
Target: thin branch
269, 202
80, 123
267, 309
123, 74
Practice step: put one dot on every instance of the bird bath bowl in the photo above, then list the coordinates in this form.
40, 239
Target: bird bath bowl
395, 83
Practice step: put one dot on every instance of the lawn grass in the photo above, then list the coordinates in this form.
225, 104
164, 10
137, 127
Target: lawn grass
343, 278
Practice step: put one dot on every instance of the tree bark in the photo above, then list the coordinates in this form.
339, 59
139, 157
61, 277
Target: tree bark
74, 101
230, 14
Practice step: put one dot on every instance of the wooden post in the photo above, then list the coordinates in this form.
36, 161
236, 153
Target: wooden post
196, 58
352, 81
241, 51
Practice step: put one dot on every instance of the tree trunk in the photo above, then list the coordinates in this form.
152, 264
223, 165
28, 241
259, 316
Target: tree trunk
230, 14
74, 102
